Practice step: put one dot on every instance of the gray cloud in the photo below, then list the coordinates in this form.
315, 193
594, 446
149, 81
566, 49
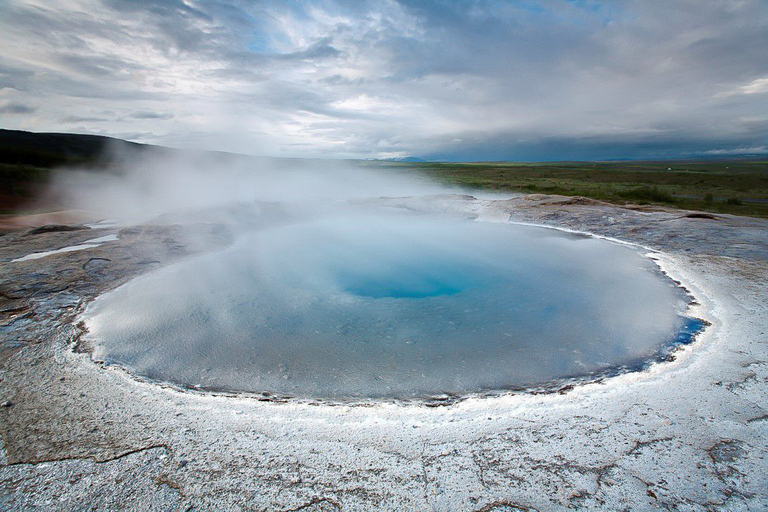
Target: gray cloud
14, 108
82, 119
341, 80
145, 114
540, 79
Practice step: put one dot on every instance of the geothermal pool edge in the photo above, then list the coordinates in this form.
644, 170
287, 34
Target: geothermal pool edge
690, 434
668, 352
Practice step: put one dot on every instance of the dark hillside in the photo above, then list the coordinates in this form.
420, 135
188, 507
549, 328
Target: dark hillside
57, 149
27, 161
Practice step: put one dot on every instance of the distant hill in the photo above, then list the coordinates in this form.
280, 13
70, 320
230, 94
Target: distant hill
56, 149
27, 160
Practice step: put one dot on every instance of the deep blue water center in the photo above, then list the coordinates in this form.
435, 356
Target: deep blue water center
392, 306
408, 279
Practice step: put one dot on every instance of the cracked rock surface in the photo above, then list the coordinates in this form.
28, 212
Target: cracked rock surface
690, 434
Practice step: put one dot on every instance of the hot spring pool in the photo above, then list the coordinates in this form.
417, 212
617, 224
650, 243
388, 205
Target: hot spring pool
396, 307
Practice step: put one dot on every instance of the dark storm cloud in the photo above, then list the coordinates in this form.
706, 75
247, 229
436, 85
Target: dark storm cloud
481, 80
516, 147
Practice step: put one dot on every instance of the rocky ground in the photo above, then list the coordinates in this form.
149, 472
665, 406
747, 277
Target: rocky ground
689, 434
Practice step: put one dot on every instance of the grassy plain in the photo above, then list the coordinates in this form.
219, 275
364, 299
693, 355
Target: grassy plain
724, 186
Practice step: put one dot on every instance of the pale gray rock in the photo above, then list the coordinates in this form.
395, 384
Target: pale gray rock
689, 434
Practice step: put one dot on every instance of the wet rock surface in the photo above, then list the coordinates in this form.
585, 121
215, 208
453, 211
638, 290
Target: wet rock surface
690, 434
38, 295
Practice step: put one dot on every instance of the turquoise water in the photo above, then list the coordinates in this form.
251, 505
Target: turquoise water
392, 307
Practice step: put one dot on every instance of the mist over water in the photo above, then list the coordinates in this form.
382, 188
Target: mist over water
329, 291
184, 187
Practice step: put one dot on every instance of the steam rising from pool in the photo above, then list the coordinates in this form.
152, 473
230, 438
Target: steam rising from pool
347, 281
356, 304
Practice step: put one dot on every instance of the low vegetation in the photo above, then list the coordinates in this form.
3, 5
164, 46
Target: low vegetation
723, 186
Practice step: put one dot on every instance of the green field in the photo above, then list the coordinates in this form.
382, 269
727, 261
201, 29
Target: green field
725, 186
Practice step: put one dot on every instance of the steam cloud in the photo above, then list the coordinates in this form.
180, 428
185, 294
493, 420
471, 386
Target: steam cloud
145, 185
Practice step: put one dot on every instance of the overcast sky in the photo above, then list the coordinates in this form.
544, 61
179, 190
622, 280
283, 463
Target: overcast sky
483, 80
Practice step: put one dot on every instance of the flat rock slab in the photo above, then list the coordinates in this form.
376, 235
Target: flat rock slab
690, 434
